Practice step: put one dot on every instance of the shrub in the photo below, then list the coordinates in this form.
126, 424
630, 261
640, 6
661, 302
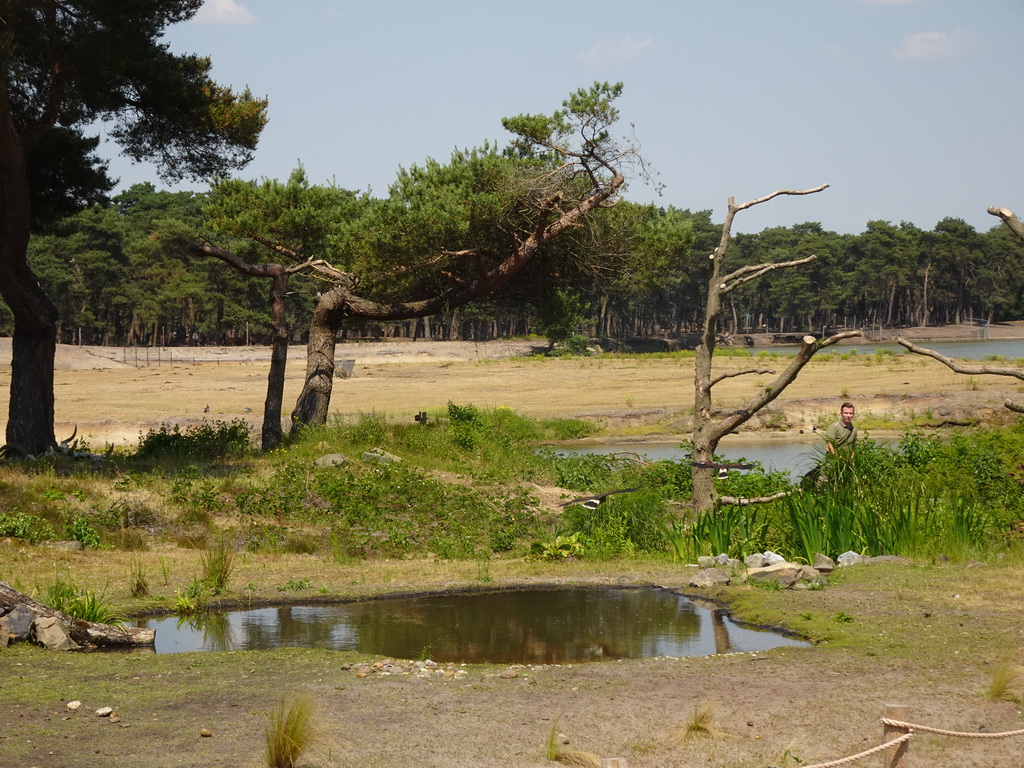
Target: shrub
216, 440
29, 527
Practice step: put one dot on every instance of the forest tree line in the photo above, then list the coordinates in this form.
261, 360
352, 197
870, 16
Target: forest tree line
120, 273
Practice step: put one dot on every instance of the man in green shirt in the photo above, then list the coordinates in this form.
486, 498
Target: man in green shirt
842, 434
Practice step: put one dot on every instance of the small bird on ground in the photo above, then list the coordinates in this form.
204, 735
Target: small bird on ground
206, 409
593, 502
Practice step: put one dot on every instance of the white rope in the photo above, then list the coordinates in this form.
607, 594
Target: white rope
941, 732
866, 753
911, 727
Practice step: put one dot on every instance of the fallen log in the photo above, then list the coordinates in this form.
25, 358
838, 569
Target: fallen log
81, 631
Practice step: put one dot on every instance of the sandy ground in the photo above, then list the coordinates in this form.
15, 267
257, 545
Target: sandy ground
112, 395
783, 708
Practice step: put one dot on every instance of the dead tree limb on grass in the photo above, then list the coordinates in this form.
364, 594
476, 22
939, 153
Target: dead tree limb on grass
969, 370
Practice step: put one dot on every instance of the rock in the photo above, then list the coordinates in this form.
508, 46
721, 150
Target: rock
755, 561
705, 561
332, 460
5, 634
734, 564
709, 578
379, 456
19, 622
50, 632
784, 574
104, 711
74, 706
850, 558
509, 674
722, 559
823, 563
206, 733
771, 558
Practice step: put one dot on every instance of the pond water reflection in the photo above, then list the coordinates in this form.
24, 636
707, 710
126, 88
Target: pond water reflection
521, 626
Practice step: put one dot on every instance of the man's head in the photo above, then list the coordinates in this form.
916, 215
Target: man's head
846, 412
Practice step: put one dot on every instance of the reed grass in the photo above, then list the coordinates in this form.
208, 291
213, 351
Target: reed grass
290, 732
700, 724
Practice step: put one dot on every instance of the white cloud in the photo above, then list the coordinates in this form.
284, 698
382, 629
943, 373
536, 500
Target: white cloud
224, 12
934, 45
612, 52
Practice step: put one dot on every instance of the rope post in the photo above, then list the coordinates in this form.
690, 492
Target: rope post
896, 756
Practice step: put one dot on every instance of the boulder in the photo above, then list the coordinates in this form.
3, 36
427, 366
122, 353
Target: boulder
332, 460
755, 560
50, 632
19, 622
709, 577
379, 456
823, 563
5, 634
850, 558
784, 574
771, 558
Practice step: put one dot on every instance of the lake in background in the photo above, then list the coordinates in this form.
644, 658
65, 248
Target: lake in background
1011, 349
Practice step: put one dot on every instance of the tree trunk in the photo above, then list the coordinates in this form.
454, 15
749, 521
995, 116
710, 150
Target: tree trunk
271, 434
315, 398
30, 409
82, 632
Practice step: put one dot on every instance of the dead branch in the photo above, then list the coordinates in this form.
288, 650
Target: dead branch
754, 271
773, 195
1011, 220
970, 370
758, 371
739, 501
807, 350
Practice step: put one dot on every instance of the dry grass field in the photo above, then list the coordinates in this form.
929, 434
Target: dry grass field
112, 395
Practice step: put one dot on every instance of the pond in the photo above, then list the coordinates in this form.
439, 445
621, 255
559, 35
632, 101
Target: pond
795, 456
530, 626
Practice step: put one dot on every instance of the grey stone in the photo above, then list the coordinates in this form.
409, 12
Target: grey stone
850, 558
332, 460
823, 563
105, 711
709, 577
74, 706
784, 574
734, 564
722, 559
50, 632
19, 622
379, 456
705, 561
5, 634
771, 558
755, 561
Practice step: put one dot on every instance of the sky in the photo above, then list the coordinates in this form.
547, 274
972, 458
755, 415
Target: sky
910, 110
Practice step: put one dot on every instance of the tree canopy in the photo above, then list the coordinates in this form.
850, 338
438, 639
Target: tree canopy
64, 67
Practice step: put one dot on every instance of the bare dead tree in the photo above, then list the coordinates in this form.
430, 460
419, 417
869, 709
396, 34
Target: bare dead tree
709, 429
1017, 227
